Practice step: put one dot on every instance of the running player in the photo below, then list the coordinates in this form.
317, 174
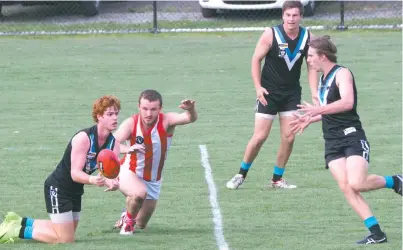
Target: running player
346, 146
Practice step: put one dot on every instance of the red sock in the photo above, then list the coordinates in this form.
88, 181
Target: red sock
129, 216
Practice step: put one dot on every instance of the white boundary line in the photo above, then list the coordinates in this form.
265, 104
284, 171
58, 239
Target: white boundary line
186, 30
217, 219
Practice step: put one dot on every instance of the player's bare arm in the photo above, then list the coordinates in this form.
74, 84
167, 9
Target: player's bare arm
313, 79
344, 81
80, 145
123, 133
262, 48
190, 115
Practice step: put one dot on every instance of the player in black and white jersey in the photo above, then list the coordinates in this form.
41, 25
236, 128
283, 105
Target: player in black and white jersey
64, 187
346, 146
278, 89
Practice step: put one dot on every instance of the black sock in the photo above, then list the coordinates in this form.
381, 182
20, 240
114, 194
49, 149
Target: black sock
243, 172
24, 221
278, 173
376, 229
277, 177
395, 183
21, 234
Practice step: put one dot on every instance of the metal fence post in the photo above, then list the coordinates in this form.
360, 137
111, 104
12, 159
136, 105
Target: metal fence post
155, 18
341, 26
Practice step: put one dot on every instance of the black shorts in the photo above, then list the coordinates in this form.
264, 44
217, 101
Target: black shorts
279, 102
58, 202
339, 148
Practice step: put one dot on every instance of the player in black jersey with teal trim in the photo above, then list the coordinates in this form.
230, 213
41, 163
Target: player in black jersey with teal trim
278, 89
346, 146
65, 185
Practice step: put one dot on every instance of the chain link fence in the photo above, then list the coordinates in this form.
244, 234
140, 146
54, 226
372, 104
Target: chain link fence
19, 17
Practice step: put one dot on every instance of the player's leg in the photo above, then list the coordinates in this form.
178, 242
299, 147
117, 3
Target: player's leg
135, 191
149, 205
264, 117
357, 171
60, 229
338, 168
145, 213
284, 151
358, 154
62, 225
287, 107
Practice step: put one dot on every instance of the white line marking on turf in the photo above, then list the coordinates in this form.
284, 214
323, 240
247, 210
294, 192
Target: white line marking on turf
208, 174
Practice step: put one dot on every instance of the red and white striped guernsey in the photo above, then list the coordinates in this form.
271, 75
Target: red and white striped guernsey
156, 141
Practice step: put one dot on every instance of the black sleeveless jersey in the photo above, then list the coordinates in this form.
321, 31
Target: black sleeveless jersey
282, 68
341, 125
61, 176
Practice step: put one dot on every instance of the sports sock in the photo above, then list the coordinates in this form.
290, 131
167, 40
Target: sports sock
389, 181
26, 232
373, 226
129, 215
244, 168
26, 221
278, 173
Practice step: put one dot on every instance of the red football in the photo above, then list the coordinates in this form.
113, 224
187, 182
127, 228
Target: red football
108, 164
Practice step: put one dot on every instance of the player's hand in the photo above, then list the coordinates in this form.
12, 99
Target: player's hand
187, 104
300, 123
315, 100
111, 185
137, 148
309, 109
98, 180
260, 93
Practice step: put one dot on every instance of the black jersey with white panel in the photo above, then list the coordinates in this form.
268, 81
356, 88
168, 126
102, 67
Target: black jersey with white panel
61, 176
346, 124
282, 68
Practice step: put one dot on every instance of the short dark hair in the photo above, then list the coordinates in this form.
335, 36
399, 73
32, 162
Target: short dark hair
293, 4
151, 95
324, 46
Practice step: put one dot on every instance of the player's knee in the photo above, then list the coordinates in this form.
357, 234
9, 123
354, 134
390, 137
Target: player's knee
288, 138
141, 195
65, 239
259, 138
138, 196
344, 187
356, 186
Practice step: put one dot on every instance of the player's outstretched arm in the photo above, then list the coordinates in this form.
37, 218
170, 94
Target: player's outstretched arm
80, 145
189, 116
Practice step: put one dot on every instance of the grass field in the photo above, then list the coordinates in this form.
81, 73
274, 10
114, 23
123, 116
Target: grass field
49, 84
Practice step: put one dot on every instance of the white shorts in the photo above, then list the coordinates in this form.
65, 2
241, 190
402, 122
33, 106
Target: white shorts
153, 189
